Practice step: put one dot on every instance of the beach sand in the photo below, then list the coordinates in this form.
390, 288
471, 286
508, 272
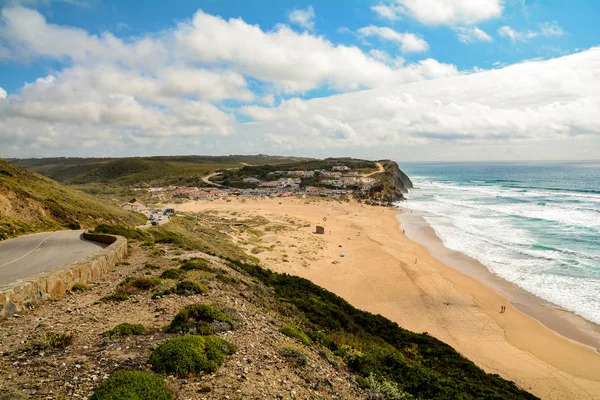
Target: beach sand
386, 273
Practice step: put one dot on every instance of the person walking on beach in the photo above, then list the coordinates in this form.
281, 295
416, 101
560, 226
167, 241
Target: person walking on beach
502, 309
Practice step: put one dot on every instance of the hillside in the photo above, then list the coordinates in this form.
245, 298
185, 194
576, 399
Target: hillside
189, 283
142, 171
30, 203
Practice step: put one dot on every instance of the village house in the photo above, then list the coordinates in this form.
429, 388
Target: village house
134, 205
251, 180
340, 168
329, 174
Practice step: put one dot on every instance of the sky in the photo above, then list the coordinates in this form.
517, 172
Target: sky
411, 80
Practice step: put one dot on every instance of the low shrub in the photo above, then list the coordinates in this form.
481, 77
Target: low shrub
125, 329
80, 287
157, 252
132, 385
383, 388
196, 264
172, 274
185, 288
133, 285
293, 332
292, 352
151, 266
119, 295
190, 354
201, 319
53, 340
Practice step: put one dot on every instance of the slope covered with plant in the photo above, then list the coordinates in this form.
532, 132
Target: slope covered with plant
30, 203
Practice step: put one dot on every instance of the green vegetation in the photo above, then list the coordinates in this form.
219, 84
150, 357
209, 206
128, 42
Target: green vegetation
35, 203
172, 273
132, 385
201, 319
384, 389
141, 171
373, 345
190, 354
196, 264
188, 233
53, 340
125, 329
132, 285
293, 353
293, 332
185, 288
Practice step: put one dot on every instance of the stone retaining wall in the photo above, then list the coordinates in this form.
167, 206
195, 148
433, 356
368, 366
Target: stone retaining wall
54, 284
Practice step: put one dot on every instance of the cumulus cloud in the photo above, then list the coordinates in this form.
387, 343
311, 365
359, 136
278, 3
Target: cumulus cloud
174, 83
472, 34
389, 12
534, 101
304, 18
446, 12
409, 42
2, 93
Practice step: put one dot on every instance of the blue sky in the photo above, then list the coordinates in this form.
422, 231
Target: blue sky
301, 77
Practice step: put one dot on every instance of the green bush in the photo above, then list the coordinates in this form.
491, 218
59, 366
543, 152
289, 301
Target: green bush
292, 352
293, 332
172, 274
53, 340
201, 319
132, 385
185, 288
125, 329
190, 354
384, 389
132, 285
119, 295
151, 266
197, 264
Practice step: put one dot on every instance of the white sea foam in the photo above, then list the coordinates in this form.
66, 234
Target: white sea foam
544, 241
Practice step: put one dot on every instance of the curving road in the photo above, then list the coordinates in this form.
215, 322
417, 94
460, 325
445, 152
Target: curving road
206, 179
28, 255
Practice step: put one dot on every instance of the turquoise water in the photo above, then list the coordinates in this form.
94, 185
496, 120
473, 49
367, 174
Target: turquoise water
534, 224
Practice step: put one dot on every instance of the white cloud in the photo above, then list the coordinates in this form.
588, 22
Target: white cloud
551, 29
472, 34
304, 18
531, 102
409, 42
516, 36
451, 12
389, 12
2, 93
172, 83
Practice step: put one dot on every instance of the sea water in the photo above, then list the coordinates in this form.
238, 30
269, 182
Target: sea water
536, 224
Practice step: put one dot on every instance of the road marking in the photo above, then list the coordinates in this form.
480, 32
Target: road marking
25, 255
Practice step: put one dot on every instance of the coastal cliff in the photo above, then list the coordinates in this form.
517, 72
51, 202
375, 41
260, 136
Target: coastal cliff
391, 184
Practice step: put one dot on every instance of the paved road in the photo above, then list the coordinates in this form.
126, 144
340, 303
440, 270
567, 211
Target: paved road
28, 255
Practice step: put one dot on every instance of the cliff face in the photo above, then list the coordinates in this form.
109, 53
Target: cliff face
391, 184
399, 179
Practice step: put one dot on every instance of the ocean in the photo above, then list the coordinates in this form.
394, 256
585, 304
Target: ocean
534, 224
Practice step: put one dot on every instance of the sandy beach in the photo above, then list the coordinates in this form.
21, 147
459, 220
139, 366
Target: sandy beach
449, 296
